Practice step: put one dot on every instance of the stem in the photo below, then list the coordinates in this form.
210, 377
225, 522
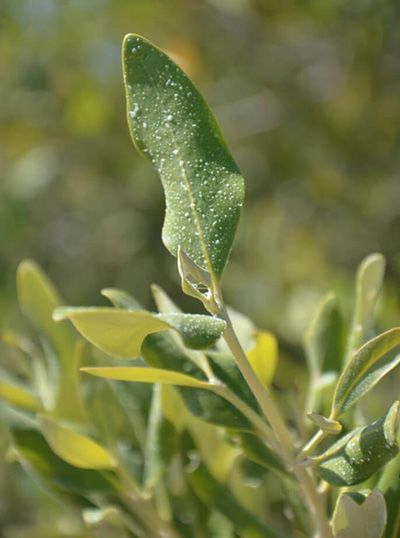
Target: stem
312, 444
272, 414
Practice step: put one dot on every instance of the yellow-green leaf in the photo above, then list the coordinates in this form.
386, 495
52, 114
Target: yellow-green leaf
369, 281
117, 332
19, 396
75, 448
264, 356
146, 375
38, 298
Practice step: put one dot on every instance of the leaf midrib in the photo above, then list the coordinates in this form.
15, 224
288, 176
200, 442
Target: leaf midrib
185, 178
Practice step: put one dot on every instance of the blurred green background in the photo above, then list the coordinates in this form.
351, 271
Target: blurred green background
307, 94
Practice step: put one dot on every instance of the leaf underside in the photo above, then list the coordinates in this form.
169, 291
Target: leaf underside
171, 124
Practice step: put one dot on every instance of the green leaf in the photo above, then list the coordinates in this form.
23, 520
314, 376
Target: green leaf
389, 485
146, 375
365, 369
362, 452
161, 442
164, 303
19, 396
197, 331
120, 298
256, 450
121, 332
171, 124
218, 496
39, 460
38, 298
226, 370
366, 520
323, 342
75, 448
369, 281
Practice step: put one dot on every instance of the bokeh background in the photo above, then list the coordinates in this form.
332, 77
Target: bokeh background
308, 95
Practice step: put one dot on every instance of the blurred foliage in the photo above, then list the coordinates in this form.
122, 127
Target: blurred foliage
307, 94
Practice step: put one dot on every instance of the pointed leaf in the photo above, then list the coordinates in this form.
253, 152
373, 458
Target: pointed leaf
120, 298
365, 369
75, 448
366, 520
38, 298
369, 281
161, 442
146, 375
264, 357
16, 394
39, 460
164, 303
324, 339
171, 124
362, 452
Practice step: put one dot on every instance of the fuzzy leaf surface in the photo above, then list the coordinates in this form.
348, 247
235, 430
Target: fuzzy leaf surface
171, 124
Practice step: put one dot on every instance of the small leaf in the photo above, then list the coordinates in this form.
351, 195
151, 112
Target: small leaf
38, 298
195, 281
121, 332
366, 520
369, 281
161, 442
75, 448
362, 452
164, 303
146, 375
120, 298
327, 425
39, 460
19, 396
365, 369
264, 357
171, 124
324, 339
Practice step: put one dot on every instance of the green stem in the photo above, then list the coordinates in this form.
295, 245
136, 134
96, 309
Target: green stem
312, 444
272, 414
